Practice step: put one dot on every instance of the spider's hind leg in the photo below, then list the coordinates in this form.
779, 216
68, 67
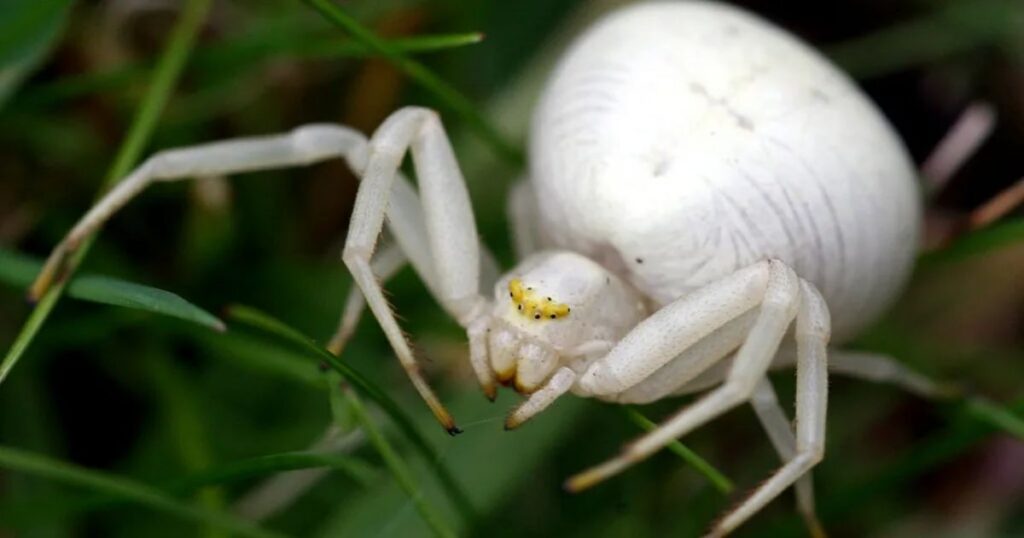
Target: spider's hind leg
812, 333
777, 426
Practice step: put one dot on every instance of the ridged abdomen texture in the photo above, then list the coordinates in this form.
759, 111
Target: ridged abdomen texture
690, 139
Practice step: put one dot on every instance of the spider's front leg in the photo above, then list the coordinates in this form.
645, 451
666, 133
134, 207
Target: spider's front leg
451, 237
302, 146
438, 238
677, 327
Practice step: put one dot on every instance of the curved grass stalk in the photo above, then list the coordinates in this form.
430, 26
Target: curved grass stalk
240, 55
717, 479
168, 70
447, 94
257, 319
399, 470
122, 488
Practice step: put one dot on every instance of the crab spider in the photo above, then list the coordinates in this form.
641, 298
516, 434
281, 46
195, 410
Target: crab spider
708, 199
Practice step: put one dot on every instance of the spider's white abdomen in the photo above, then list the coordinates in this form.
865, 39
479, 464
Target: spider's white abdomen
679, 142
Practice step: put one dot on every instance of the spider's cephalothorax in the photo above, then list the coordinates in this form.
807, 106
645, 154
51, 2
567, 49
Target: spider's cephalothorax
556, 308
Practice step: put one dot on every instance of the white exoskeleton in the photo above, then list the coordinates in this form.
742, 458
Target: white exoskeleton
704, 190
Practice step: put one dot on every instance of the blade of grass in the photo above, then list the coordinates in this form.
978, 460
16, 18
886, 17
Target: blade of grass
918, 459
339, 389
170, 66
184, 427
28, 31
357, 470
36, 511
255, 318
240, 56
976, 243
19, 270
995, 415
963, 432
717, 479
954, 27
123, 488
416, 71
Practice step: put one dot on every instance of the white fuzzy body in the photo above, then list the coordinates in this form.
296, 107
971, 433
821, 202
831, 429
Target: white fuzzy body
678, 142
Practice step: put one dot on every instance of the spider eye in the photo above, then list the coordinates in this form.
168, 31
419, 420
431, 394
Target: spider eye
552, 316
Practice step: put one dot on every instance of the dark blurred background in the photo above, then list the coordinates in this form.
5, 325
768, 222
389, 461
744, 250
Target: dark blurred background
151, 398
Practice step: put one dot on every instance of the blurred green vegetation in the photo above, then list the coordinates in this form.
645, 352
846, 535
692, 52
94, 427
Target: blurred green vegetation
121, 422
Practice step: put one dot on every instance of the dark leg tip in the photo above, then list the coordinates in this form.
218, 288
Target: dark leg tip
454, 430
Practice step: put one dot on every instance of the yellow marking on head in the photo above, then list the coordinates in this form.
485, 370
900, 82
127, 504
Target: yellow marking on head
531, 306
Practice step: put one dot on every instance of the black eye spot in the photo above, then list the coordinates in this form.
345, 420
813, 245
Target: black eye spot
536, 316
549, 298
510, 294
520, 307
552, 316
567, 310
639, 260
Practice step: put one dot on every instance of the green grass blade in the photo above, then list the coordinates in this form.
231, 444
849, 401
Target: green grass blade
357, 470
258, 355
19, 270
399, 470
112, 291
955, 27
28, 30
33, 513
122, 488
185, 429
964, 432
976, 243
168, 69
257, 319
717, 479
239, 57
416, 71
995, 415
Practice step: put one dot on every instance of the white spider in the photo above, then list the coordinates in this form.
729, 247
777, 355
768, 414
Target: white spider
699, 179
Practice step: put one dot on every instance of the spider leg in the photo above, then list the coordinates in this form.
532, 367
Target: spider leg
884, 369
777, 426
523, 215
449, 227
559, 384
812, 333
678, 326
707, 355
438, 237
302, 146
386, 263
878, 368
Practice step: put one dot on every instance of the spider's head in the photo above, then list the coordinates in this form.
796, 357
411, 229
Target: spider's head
549, 310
